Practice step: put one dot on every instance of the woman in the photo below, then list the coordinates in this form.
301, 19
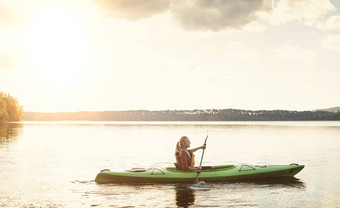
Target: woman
185, 158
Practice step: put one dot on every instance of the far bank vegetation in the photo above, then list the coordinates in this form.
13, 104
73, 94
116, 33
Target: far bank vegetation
187, 115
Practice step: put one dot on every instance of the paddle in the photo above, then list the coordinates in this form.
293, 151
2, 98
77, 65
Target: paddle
199, 168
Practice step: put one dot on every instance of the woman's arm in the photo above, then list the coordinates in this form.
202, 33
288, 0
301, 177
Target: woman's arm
197, 148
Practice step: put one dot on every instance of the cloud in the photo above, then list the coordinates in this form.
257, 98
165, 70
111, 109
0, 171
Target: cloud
132, 9
331, 42
332, 23
218, 14
254, 27
293, 53
213, 15
206, 15
305, 11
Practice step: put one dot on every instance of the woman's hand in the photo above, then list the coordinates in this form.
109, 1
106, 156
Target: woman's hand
192, 168
203, 146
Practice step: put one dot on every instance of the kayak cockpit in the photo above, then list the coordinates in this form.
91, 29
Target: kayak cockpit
206, 168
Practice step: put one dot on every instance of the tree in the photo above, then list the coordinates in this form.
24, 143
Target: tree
10, 110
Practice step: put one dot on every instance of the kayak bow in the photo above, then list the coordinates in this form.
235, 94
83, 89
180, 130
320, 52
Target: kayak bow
216, 173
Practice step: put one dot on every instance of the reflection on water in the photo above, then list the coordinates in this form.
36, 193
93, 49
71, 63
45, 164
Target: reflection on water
284, 181
185, 196
289, 181
186, 193
9, 132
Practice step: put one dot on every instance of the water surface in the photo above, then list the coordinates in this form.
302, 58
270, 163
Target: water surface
53, 164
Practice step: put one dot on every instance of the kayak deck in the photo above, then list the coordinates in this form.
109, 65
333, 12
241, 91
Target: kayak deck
216, 173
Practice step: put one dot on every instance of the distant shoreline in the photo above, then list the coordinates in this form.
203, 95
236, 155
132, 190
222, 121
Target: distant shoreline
187, 115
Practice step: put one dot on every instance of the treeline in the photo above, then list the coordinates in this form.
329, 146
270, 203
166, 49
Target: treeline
10, 110
186, 115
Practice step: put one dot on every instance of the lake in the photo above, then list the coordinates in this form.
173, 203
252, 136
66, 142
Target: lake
53, 164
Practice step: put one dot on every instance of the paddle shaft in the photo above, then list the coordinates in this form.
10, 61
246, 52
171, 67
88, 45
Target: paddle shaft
199, 168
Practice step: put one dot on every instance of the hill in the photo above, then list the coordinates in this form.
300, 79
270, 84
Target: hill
334, 109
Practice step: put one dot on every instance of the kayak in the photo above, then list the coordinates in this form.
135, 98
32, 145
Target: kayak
209, 174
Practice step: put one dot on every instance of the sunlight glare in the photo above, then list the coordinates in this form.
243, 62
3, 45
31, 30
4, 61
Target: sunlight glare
57, 45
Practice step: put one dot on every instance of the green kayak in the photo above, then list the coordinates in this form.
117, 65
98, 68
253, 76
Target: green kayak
213, 173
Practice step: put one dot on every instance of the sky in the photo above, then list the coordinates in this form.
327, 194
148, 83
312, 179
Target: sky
103, 55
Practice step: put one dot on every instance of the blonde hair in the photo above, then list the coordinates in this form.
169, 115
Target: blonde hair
180, 144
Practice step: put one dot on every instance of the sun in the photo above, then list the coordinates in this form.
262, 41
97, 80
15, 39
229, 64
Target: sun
57, 45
